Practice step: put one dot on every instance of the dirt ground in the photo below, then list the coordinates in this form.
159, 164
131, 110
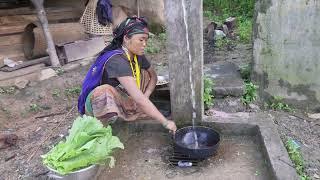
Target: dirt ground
23, 112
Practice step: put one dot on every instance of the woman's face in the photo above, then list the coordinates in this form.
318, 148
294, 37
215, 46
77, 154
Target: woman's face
137, 43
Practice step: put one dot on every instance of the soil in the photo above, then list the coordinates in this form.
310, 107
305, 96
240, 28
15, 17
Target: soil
21, 111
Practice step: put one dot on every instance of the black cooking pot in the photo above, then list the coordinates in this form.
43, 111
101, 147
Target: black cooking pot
208, 141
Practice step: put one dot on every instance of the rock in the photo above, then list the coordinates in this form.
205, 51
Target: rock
219, 34
230, 23
46, 74
254, 107
227, 79
33, 83
21, 83
225, 30
316, 176
7, 139
85, 62
209, 32
314, 116
70, 67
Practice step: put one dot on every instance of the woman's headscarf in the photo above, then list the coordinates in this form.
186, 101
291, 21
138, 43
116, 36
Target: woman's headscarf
129, 27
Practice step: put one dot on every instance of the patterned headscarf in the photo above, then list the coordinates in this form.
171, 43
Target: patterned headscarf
128, 27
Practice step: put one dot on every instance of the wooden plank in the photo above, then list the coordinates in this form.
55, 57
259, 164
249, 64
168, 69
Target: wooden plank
10, 40
14, 24
185, 41
26, 19
28, 11
11, 29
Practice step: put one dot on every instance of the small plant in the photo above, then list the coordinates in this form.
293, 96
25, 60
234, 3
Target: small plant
207, 92
59, 71
56, 93
72, 92
250, 93
7, 90
277, 104
34, 108
296, 158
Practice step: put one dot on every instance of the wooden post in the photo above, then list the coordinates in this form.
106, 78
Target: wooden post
44, 23
185, 54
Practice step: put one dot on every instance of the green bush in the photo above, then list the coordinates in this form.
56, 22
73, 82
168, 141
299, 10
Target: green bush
245, 30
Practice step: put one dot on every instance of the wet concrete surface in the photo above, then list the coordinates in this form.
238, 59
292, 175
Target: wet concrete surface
146, 157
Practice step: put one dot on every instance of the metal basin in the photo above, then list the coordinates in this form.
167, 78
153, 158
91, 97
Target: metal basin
87, 173
208, 141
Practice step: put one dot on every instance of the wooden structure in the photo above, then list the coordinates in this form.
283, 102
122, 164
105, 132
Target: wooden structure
185, 54
14, 20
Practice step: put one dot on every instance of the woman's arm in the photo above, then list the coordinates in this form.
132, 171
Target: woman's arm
144, 103
152, 83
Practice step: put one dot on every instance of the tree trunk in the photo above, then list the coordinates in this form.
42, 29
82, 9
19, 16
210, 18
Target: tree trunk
44, 23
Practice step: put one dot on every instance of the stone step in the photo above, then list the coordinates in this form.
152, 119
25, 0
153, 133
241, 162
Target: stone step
226, 77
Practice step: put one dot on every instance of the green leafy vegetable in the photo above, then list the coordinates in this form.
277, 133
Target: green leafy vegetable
88, 143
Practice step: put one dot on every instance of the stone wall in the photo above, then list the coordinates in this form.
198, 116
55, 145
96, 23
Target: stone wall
287, 51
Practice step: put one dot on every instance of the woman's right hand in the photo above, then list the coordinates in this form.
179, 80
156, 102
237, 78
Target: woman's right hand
171, 126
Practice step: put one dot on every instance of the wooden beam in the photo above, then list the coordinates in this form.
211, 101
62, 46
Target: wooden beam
44, 23
185, 54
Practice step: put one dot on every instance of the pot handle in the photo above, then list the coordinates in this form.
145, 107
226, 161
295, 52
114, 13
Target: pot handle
54, 176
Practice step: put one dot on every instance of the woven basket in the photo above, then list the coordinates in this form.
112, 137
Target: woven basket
89, 20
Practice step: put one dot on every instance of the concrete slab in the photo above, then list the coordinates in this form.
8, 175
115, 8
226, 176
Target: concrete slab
227, 79
262, 125
251, 133
146, 156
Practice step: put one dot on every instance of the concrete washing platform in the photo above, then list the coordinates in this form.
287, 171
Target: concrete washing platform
250, 148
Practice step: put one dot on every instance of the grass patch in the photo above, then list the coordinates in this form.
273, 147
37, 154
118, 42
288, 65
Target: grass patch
73, 91
208, 97
296, 157
219, 10
34, 108
277, 104
245, 30
222, 43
